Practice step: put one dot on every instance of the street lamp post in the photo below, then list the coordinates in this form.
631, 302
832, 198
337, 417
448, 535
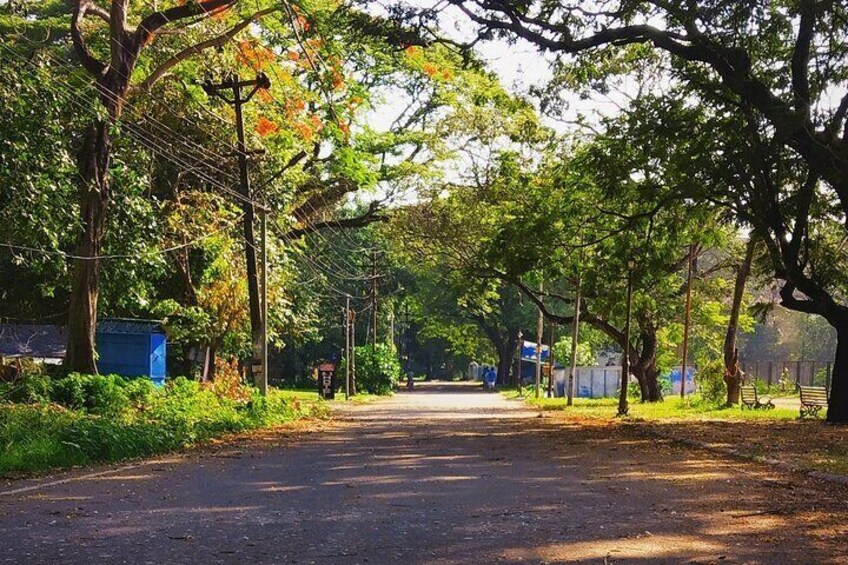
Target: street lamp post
625, 363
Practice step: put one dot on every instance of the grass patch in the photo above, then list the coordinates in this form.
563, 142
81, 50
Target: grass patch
302, 394
131, 420
671, 409
311, 395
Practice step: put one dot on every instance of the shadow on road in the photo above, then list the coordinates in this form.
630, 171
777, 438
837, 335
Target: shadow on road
442, 475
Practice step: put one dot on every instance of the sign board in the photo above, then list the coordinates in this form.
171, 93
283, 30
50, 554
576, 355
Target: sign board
327, 381
528, 351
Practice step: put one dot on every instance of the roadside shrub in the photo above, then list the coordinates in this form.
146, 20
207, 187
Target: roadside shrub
664, 382
140, 393
97, 394
108, 418
30, 386
228, 382
821, 377
710, 381
377, 370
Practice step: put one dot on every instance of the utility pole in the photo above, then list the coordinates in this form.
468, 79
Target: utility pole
575, 331
353, 352
540, 330
258, 318
263, 249
551, 341
686, 323
347, 346
373, 301
518, 363
623, 408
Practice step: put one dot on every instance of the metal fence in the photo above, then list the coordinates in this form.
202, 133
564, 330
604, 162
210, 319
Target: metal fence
788, 372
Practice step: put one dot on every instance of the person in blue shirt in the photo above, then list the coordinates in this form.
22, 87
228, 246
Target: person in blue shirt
489, 377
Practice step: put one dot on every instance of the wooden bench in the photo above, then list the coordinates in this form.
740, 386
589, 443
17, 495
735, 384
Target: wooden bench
752, 401
813, 399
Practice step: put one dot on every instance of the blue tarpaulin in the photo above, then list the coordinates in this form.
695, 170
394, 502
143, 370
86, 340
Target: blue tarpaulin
528, 351
674, 377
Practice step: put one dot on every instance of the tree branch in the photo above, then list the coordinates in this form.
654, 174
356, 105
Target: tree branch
371, 216
788, 300
197, 48
117, 32
152, 24
801, 58
89, 61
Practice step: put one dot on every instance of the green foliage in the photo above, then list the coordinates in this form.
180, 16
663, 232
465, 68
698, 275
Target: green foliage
587, 354
94, 394
107, 418
634, 392
710, 382
33, 385
378, 370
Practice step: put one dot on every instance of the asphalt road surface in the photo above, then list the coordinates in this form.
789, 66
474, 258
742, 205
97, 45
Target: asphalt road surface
446, 474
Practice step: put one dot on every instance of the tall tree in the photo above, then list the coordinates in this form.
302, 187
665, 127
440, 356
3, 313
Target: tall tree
112, 68
781, 70
732, 370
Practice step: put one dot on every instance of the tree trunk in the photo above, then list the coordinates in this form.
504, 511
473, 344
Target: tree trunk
94, 161
506, 359
837, 408
732, 372
644, 364
646, 374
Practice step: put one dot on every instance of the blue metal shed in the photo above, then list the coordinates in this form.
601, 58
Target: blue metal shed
131, 348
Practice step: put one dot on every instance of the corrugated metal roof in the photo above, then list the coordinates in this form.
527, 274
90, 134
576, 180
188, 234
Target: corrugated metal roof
49, 341
129, 326
33, 340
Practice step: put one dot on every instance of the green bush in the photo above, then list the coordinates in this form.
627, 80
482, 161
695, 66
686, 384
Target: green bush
32, 385
821, 377
107, 418
634, 391
97, 394
710, 382
378, 370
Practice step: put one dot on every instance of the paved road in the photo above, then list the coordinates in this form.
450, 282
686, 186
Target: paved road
442, 475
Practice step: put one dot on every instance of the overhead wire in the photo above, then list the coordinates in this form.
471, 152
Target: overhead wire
294, 24
141, 254
152, 143
111, 95
211, 156
141, 136
316, 212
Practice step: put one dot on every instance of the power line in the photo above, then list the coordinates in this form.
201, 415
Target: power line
164, 251
68, 92
156, 145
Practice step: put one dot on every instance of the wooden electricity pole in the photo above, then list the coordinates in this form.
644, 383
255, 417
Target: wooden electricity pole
540, 330
353, 352
263, 340
686, 323
373, 301
575, 331
551, 341
258, 308
347, 346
